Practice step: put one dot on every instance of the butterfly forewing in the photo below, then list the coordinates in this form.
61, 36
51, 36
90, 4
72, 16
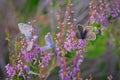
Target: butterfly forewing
89, 29
79, 32
78, 35
80, 27
25, 29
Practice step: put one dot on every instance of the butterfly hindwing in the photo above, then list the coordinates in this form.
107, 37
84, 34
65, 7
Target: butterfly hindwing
91, 36
30, 45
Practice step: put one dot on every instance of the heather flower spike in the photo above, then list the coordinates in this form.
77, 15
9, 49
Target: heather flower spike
25, 29
49, 42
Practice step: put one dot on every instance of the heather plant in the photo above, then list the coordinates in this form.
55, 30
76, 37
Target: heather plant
31, 61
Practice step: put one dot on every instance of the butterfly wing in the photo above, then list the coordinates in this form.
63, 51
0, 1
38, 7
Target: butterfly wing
48, 39
49, 42
80, 27
89, 29
25, 29
79, 31
29, 46
91, 36
97, 31
78, 35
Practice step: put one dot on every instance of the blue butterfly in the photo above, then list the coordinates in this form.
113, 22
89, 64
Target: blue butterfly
25, 29
49, 42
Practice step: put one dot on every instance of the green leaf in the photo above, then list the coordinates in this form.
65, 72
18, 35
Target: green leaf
20, 78
96, 25
70, 54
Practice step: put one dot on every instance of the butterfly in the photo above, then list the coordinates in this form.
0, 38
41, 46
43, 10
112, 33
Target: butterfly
25, 29
85, 33
49, 42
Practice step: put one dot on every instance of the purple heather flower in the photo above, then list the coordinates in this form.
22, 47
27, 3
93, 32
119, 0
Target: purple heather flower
101, 13
20, 68
37, 50
31, 55
47, 58
26, 68
59, 58
28, 57
69, 43
57, 51
115, 14
77, 62
65, 76
81, 44
80, 60
106, 22
75, 71
10, 70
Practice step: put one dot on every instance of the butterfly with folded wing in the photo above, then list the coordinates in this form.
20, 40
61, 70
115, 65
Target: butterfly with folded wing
49, 42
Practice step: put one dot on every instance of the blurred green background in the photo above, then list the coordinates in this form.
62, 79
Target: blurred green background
102, 56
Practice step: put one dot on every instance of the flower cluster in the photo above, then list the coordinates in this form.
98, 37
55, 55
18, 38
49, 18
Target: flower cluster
66, 42
10, 70
103, 11
29, 56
